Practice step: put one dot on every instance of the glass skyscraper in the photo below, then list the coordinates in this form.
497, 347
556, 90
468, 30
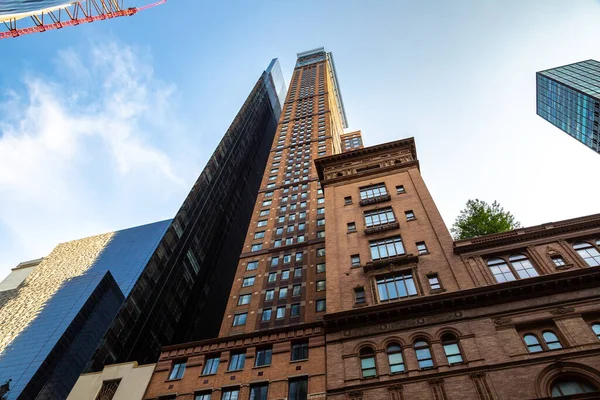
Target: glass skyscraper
569, 98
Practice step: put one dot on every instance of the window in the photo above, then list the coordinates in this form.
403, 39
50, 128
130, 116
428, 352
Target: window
244, 299
240, 319
355, 260
256, 247
272, 277
359, 295
558, 261
287, 258
259, 391
259, 235
283, 292
347, 200
410, 215
422, 248
280, 312
321, 252
236, 361
351, 227
385, 248
268, 194
263, 356
202, 396
400, 189
211, 365
279, 230
320, 268
231, 394
321, 234
252, 265
320, 286
367, 362
266, 314
178, 370
396, 286
262, 223
320, 200
320, 305
517, 265
370, 192
277, 243
285, 275
571, 385
267, 203
249, 281
274, 261
423, 354
551, 340
298, 273
434, 282
596, 329
108, 389
532, 343
588, 252
299, 351
320, 211
379, 217
269, 294
451, 348
298, 389
395, 359
296, 289
299, 256
295, 310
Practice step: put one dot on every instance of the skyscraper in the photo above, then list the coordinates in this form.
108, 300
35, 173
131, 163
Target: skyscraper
182, 292
569, 98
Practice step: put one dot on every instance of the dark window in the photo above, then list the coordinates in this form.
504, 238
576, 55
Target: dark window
367, 362
266, 314
423, 354
295, 310
320, 305
571, 385
351, 227
263, 356
410, 215
347, 200
434, 282
359, 295
296, 289
259, 391
379, 217
321, 252
211, 365
373, 191
231, 394
300, 351
422, 248
240, 319
400, 189
320, 286
395, 359
178, 370
298, 389
236, 361
396, 286
202, 396
385, 248
355, 260
320, 268
451, 348
108, 389
588, 252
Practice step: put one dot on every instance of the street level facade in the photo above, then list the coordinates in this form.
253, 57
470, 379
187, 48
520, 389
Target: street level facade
350, 286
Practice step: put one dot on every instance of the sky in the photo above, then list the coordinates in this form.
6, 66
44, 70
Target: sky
107, 125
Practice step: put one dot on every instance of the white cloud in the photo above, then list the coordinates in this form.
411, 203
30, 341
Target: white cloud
79, 152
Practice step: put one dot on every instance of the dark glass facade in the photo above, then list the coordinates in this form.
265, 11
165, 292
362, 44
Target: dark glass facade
569, 98
182, 293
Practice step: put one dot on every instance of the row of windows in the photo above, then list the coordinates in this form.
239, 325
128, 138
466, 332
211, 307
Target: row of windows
240, 319
297, 390
549, 339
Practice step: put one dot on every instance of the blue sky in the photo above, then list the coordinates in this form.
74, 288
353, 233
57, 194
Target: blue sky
106, 125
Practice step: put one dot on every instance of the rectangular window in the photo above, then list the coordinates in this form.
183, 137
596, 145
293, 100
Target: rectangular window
320, 268
320, 286
321, 222
355, 260
287, 258
202, 396
266, 314
279, 231
272, 277
558, 261
280, 313
252, 265
259, 391
379, 217
351, 227
256, 247
269, 294
400, 189
410, 215
299, 256
211, 365
240, 319
321, 252
178, 370
373, 191
231, 394
422, 248
283, 292
262, 222
267, 203
259, 235
298, 273
359, 295
320, 305
274, 261
385, 248
285, 274
299, 351
396, 286
263, 356
320, 200
236, 361
321, 210
249, 281
244, 299
298, 389
295, 310
321, 234
434, 282
347, 200
296, 290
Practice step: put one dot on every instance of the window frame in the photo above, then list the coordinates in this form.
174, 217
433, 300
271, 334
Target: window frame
509, 261
422, 344
451, 340
367, 353
390, 351
176, 369
595, 246
211, 367
267, 355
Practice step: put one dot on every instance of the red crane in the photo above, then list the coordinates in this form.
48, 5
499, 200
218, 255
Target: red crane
70, 14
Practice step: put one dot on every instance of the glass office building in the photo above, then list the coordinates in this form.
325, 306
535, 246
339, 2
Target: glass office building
54, 311
569, 98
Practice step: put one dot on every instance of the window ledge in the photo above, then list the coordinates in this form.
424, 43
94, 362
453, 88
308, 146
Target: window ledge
398, 260
174, 379
381, 228
564, 267
374, 200
261, 366
435, 291
297, 361
359, 305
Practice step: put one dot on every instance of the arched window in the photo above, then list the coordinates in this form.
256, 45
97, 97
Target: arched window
423, 354
517, 266
551, 340
451, 348
588, 252
532, 342
367, 362
395, 359
596, 329
570, 385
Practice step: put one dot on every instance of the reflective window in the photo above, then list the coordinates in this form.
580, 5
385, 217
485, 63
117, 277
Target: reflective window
588, 252
569, 386
298, 389
379, 217
231, 394
385, 248
517, 266
259, 391
367, 362
178, 370
299, 351
596, 329
423, 353
236, 361
551, 340
451, 348
263, 356
532, 343
373, 191
266, 314
396, 286
395, 359
239, 319
359, 295
249, 281
211, 365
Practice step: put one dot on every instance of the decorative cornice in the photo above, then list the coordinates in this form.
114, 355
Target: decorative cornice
382, 227
390, 263
520, 235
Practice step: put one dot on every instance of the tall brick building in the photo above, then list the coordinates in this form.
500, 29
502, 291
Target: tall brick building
351, 287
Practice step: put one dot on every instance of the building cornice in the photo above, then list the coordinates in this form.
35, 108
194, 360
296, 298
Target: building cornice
530, 233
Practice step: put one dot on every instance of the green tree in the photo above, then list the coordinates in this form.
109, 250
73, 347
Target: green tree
479, 218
